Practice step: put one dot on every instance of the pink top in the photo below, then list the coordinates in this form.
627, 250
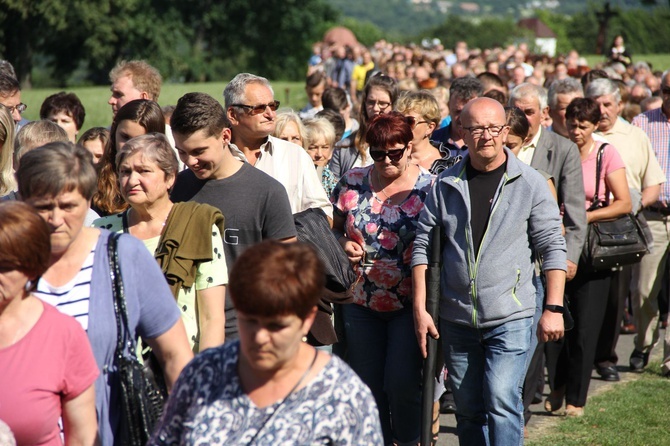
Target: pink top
611, 161
53, 361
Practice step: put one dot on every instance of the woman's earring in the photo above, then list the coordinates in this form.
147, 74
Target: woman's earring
304, 338
28, 286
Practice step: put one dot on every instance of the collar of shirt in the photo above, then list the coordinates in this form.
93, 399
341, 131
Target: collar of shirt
526, 153
237, 153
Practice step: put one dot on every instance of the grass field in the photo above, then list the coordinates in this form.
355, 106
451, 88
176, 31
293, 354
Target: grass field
99, 113
658, 61
631, 414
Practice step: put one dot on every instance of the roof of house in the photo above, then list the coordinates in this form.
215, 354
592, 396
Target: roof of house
538, 27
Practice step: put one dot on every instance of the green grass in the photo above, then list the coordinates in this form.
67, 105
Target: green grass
99, 113
658, 61
634, 413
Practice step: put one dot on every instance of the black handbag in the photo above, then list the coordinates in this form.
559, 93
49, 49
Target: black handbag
613, 243
142, 398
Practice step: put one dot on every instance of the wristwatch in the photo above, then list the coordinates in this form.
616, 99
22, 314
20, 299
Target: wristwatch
555, 308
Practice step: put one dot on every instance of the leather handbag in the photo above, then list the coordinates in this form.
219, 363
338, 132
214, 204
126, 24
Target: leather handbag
613, 243
142, 398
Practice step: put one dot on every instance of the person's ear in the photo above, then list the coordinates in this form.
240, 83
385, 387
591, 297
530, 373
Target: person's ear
309, 320
226, 135
144, 95
232, 116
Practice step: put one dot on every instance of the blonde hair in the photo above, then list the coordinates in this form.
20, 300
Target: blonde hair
422, 102
7, 129
316, 127
286, 116
145, 77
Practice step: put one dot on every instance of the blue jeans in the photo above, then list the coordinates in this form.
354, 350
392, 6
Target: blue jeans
383, 351
487, 368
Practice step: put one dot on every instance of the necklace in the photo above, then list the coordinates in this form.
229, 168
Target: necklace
381, 188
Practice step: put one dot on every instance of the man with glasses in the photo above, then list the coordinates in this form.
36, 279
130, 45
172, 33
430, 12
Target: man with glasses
493, 211
251, 110
10, 97
648, 274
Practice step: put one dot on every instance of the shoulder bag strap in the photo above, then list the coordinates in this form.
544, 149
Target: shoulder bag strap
120, 310
599, 164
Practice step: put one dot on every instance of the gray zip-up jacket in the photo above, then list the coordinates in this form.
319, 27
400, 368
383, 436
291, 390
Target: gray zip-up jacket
496, 286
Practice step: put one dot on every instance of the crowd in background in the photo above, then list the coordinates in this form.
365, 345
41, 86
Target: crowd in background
381, 124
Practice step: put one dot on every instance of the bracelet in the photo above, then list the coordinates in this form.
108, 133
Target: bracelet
555, 308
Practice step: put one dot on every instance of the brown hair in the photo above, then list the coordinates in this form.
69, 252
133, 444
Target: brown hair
149, 115
387, 130
67, 103
55, 168
384, 82
277, 279
25, 240
198, 111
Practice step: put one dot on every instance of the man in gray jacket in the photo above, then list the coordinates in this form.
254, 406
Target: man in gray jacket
494, 212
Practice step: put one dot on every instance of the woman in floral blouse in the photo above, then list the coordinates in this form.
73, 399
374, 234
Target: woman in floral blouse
376, 211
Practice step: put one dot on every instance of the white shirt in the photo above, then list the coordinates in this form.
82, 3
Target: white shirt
526, 153
289, 164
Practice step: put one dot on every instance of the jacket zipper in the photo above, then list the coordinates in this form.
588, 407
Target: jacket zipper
474, 269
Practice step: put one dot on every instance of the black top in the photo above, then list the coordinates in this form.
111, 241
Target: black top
483, 187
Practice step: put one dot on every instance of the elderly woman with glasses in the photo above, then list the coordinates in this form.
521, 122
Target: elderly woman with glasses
376, 212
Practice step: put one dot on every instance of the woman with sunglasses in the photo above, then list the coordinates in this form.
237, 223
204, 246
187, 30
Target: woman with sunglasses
376, 209
423, 113
379, 96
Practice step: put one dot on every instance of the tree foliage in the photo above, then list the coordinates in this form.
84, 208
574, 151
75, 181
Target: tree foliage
192, 40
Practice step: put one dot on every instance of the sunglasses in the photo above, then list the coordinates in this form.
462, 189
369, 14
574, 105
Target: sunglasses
411, 120
254, 110
393, 155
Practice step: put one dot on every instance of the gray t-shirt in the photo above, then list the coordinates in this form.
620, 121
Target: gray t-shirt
255, 207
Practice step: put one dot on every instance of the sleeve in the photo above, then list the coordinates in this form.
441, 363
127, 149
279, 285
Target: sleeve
612, 160
314, 195
428, 219
277, 217
571, 195
214, 272
545, 227
81, 370
335, 163
653, 174
146, 290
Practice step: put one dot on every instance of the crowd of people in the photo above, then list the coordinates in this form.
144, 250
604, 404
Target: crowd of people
512, 155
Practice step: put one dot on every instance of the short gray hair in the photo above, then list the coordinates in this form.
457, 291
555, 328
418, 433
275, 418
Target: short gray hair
528, 90
234, 91
602, 87
563, 86
156, 147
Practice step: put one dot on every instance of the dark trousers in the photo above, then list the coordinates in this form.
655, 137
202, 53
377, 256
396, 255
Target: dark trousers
571, 363
616, 303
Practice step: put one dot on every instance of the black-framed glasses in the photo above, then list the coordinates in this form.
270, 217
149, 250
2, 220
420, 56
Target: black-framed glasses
478, 132
18, 107
380, 155
258, 109
383, 105
411, 120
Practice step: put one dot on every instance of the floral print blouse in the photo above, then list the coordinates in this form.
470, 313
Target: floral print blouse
386, 233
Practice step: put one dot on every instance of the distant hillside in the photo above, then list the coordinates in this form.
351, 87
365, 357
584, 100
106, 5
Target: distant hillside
408, 17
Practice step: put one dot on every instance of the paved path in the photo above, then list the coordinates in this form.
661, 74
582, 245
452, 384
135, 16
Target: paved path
541, 419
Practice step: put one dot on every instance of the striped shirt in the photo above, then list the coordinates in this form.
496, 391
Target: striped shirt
657, 127
73, 298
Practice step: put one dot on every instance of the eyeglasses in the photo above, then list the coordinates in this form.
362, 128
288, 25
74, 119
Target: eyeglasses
254, 110
383, 105
380, 155
411, 120
478, 132
18, 107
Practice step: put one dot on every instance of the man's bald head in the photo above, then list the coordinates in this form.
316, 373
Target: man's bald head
485, 131
482, 105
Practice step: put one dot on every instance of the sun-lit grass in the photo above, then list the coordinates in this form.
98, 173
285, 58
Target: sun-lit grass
659, 62
99, 113
631, 414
